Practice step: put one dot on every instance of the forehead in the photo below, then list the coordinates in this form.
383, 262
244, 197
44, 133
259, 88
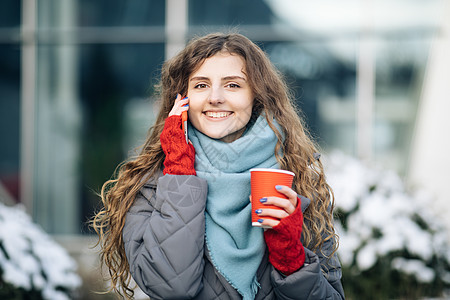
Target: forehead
221, 64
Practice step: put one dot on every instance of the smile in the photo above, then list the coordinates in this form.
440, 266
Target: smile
217, 114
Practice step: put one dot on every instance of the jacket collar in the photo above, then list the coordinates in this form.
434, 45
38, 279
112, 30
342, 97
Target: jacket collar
305, 202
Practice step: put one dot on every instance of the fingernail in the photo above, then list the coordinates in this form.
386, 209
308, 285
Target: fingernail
184, 98
260, 220
258, 211
186, 105
278, 187
263, 200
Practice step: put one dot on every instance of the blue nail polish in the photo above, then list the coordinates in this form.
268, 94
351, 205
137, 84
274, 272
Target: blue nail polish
260, 220
278, 187
263, 200
258, 211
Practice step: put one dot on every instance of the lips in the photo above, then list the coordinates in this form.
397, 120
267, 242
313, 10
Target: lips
217, 114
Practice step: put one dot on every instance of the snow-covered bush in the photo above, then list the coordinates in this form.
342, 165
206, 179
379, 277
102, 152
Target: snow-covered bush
391, 244
32, 265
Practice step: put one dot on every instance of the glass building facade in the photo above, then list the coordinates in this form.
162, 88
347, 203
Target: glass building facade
77, 81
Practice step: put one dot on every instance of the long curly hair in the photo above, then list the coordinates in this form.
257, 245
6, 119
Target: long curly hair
271, 97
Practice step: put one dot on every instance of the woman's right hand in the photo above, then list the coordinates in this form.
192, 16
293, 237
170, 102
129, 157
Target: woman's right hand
180, 156
179, 106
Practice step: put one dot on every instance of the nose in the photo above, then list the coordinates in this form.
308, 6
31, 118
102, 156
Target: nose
216, 96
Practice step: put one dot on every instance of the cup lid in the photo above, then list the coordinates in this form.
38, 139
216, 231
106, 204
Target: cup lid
272, 170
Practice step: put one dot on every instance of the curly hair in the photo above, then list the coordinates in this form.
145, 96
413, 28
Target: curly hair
271, 97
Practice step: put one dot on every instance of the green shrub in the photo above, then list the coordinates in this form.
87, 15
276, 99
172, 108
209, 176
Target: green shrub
391, 246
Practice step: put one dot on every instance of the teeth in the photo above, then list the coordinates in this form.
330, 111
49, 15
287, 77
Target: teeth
217, 114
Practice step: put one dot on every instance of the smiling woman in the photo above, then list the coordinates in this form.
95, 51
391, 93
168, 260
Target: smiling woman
220, 99
178, 217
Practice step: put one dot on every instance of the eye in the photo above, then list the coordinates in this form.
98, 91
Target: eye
200, 86
233, 85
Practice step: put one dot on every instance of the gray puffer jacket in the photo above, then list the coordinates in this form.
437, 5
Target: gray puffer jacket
164, 243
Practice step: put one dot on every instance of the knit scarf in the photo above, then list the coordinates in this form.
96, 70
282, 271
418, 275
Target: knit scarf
235, 247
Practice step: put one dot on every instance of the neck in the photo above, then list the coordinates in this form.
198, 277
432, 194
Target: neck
233, 136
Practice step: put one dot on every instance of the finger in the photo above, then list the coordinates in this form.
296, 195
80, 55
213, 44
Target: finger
274, 213
180, 106
183, 104
177, 99
184, 101
175, 106
282, 203
288, 192
268, 223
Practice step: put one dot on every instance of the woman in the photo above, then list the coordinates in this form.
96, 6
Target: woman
177, 218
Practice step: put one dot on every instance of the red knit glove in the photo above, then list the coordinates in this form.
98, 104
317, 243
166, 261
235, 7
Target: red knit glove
180, 156
286, 252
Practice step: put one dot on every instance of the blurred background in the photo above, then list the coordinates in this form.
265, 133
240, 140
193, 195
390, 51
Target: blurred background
77, 79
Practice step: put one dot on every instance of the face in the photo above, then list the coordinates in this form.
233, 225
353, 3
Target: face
220, 98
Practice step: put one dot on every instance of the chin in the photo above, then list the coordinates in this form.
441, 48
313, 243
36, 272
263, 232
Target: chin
216, 133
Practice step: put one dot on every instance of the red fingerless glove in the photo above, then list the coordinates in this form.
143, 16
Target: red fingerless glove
286, 252
180, 156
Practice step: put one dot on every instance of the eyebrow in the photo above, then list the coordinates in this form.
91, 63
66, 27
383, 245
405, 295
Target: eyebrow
234, 77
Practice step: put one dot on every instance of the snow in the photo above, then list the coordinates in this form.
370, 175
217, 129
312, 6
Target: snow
381, 219
30, 259
414, 267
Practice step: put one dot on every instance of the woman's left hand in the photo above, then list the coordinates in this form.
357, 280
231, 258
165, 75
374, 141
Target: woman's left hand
287, 206
286, 252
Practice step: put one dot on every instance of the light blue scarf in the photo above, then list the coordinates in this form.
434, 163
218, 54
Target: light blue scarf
236, 248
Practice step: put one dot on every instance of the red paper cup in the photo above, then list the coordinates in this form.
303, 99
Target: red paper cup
263, 182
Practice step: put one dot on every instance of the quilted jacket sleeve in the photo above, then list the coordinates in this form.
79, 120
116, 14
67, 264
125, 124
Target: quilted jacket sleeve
319, 278
164, 237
